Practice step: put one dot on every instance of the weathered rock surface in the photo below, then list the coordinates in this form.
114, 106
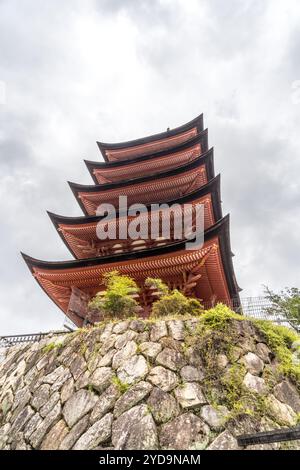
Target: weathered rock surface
163, 406
133, 396
163, 378
287, 393
123, 354
139, 384
214, 417
135, 429
282, 412
41, 396
49, 405
252, 363
121, 340
171, 359
187, 431
55, 436
38, 435
66, 391
255, 384
150, 349
120, 327
78, 405
224, 441
176, 329
190, 395
192, 374
158, 330
57, 378
222, 361
133, 369
76, 431
99, 432
263, 352
105, 403
101, 378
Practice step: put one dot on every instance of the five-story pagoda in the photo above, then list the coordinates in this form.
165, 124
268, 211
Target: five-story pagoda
174, 167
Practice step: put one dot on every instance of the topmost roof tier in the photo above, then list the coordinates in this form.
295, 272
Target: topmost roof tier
150, 145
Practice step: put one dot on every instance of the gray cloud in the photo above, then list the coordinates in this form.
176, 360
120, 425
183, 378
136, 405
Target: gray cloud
77, 72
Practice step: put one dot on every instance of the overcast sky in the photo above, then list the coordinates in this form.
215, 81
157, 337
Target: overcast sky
73, 72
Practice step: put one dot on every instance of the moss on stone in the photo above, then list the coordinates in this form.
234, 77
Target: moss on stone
121, 386
51, 346
280, 340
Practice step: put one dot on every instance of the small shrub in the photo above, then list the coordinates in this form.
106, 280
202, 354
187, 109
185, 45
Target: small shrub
175, 303
219, 317
117, 300
158, 285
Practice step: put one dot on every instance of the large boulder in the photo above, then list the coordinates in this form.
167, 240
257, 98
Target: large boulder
135, 429
190, 395
163, 405
132, 370
186, 432
163, 378
78, 405
287, 393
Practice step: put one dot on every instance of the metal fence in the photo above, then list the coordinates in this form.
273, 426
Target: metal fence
12, 340
260, 307
254, 307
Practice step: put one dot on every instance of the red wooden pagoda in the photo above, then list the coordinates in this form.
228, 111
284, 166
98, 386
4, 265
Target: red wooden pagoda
174, 167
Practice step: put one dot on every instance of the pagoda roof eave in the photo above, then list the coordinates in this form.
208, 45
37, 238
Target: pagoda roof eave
216, 229
196, 122
220, 229
212, 187
206, 160
202, 137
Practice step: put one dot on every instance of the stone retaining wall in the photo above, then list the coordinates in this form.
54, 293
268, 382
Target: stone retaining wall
135, 385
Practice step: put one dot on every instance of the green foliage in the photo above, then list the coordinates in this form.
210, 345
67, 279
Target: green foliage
158, 285
218, 317
216, 333
50, 346
83, 348
121, 386
123, 284
238, 398
117, 300
281, 339
232, 383
286, 303
175, 303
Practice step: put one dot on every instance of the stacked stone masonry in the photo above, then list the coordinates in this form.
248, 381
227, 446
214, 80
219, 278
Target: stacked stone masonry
130, 385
